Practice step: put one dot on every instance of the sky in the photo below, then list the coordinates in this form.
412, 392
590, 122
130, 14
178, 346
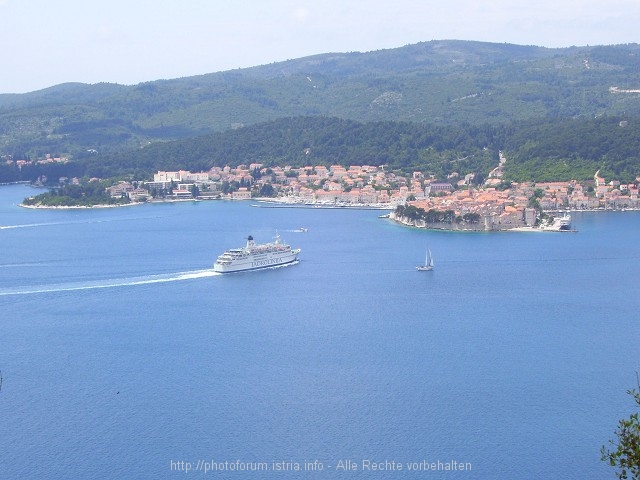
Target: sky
48, 42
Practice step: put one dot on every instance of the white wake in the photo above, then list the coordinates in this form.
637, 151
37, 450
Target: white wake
110, 283
74, 222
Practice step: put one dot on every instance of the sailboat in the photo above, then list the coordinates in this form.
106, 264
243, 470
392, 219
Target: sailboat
428, 263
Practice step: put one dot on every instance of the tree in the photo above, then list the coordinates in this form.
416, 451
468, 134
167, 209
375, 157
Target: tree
449, 216
267, 190
534, 200
626, 451
471, 217
255, 173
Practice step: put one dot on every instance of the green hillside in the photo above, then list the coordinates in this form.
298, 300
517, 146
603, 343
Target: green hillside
553, 149
439, 82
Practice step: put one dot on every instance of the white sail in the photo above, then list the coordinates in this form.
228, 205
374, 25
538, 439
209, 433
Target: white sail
428, 262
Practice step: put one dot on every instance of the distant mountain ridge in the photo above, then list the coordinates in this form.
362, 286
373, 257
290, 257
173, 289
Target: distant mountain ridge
447, 82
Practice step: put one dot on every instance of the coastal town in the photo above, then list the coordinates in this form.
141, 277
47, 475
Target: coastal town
494, 205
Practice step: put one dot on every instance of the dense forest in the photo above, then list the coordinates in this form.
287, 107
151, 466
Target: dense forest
558, 149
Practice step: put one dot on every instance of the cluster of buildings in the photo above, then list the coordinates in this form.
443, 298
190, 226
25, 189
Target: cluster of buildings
497, 209
355, 185
500, 204
42, 161
598, 194
126, 189
519, 205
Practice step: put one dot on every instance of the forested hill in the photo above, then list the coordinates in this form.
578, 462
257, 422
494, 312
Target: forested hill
301, 141
562, 149
434, 83
559, 149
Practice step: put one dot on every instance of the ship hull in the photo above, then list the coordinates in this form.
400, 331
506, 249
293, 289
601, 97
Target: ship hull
257, 262
560, 224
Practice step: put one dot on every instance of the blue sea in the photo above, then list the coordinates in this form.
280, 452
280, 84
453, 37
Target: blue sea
123, 355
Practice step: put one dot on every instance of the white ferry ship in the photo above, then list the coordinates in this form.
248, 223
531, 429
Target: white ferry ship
254, 256
560, 224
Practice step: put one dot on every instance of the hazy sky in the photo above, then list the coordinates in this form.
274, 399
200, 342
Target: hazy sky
47, 42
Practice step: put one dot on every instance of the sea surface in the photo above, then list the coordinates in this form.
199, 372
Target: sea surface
123, 355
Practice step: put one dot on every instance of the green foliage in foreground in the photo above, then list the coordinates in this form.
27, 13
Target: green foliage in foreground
625, 454
87, 195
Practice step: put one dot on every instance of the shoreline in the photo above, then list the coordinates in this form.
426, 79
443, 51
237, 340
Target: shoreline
22, 182
446, 227
324, 207
77, 207
478, 230
103, 205
130, 204
270, 202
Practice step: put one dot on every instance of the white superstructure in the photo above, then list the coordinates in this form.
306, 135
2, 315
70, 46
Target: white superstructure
560, 224
253, 256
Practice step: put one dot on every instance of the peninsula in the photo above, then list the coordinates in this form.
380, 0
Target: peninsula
418, 200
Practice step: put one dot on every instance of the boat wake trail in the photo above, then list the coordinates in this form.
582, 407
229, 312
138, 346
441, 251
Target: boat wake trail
110, 283
71, 222
30, 225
